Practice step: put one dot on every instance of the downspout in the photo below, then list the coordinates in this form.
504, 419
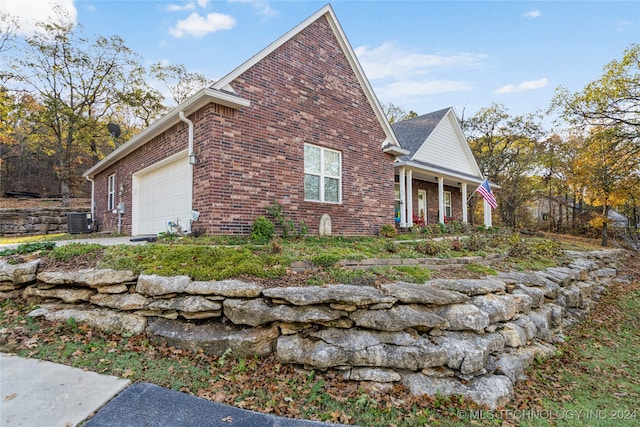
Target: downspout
192, 157
192, 161
93, 200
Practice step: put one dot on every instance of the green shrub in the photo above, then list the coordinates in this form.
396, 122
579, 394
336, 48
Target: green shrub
262, 230
326, 259
546, 248
428, 247
518, 247
27, 248
388, 230
414, 273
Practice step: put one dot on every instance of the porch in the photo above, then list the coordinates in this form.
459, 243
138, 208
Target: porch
426, 196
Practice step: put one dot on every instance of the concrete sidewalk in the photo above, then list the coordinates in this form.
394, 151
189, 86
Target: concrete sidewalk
35, 393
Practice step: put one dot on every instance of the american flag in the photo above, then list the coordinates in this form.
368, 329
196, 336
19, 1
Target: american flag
485, 191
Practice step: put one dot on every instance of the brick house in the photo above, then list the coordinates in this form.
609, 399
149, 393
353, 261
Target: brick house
297, 124
435, 177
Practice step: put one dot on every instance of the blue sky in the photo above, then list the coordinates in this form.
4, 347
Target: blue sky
419, 55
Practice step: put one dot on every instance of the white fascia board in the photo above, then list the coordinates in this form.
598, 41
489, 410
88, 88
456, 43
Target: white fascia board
190, 105
440, 172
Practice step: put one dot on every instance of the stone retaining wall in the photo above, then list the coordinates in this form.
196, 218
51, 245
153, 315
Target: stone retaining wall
473, 337
35, 221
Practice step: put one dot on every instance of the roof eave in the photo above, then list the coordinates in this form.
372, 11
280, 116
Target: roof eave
395, 150
189, 106
437, 171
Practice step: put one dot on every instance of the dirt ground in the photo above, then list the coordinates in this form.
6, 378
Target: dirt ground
31, 203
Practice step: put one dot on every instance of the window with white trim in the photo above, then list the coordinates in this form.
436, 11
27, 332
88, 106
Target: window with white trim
322, 174
111, 192
447, 204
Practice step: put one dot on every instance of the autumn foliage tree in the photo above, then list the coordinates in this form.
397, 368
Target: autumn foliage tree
506, 149
606, 112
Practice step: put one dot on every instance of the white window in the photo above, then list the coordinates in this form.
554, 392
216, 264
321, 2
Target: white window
322, 174
111, 192
396, 191
447, 204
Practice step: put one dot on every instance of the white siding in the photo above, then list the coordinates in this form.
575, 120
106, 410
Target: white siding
447, 148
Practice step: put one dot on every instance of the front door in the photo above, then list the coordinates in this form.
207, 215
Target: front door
422, 205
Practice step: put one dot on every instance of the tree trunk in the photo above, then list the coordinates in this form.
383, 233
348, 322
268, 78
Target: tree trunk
605, 237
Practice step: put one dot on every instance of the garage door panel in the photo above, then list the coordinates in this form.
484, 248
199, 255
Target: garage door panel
164, 195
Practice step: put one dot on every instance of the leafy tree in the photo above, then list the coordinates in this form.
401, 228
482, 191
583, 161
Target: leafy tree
607, 112
79, 82
506, 148
611, 102
397, 114
607, 172
180, 83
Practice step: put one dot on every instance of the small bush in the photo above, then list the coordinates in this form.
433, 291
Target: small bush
475, 243
428, 247
262, 230
391, 247
326, 260
546, 248
518, 248
388, 230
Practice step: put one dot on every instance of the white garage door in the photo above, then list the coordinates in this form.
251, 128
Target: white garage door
163, 194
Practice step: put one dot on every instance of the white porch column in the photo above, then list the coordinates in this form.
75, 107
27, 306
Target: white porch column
464, 202
487, 214
403, 198
409, 198
441, 200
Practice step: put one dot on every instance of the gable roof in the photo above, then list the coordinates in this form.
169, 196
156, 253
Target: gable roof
412, 133
435, 143
391, 144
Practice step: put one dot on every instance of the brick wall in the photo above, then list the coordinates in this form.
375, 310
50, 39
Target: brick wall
303, 92
432, 200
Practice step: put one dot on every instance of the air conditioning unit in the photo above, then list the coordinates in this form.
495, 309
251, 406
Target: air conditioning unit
79, 222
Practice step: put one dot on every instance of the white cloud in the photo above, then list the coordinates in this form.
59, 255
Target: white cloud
29, 12
198, 26
181, 7
524, 86
532, 14
202, 3
387, 60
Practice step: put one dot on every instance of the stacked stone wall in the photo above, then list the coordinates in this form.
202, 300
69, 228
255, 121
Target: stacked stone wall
35, 221
474, 337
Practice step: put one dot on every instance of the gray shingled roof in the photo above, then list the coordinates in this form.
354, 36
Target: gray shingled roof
412, 133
